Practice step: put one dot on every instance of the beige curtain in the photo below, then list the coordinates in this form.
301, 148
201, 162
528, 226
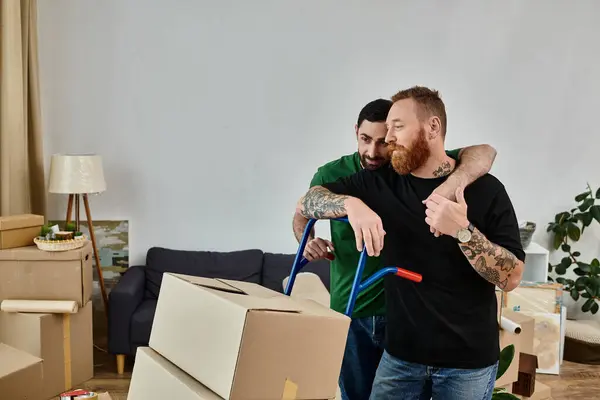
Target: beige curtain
22, 180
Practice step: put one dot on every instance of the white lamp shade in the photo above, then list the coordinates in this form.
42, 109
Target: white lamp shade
76, 174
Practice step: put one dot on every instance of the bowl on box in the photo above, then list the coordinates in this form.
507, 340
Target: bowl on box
526, 231
60, 245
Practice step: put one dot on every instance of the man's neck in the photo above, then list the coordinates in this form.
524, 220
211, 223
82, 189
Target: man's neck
436, 167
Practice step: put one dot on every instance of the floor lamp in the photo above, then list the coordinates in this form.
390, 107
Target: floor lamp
79, 175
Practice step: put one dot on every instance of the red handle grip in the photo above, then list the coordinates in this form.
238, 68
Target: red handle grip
406, 274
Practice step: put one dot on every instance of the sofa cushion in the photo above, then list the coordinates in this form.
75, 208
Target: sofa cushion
241, 265
276, 267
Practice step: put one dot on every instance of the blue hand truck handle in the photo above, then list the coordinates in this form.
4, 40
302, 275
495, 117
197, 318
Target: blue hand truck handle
357, 285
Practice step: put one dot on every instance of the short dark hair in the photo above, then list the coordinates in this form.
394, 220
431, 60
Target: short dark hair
375, 111
429, 103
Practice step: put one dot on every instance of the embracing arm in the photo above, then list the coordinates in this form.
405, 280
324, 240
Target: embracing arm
473, 163
493, 262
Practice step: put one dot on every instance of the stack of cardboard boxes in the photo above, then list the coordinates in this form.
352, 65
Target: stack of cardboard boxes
43, 354
218, 339
520, 378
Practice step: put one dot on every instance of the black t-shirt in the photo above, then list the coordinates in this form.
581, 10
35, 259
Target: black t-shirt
448, 320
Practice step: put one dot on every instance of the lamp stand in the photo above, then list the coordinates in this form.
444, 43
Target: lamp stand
74, 198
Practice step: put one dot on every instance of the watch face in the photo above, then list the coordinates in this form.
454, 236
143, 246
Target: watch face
464, 235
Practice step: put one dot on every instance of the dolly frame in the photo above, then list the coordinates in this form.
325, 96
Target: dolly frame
358, 285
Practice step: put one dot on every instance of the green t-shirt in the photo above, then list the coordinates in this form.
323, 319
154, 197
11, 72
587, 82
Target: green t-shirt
371, 301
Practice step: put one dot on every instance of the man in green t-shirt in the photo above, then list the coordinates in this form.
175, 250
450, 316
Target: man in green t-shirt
364, 346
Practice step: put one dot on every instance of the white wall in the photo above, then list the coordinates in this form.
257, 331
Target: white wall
212, 116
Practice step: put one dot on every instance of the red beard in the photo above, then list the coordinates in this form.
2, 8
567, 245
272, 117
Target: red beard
404, 160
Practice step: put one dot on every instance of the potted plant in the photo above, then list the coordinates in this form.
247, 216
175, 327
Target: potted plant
506, 357
567, 229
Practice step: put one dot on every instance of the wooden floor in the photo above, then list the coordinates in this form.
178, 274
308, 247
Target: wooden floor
576, 381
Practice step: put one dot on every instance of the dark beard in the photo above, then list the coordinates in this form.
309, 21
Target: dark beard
404, 160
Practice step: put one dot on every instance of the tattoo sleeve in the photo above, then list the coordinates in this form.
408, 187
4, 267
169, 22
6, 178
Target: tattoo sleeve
320, 203
494, 263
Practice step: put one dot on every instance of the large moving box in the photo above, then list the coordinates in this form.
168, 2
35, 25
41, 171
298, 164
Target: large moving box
28, 273
244, 341
156, 378
20, 374
63, 341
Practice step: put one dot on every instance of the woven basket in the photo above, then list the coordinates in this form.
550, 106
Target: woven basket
60, 245
526, 231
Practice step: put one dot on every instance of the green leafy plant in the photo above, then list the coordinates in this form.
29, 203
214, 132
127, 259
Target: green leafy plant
46, 229
70, 227
506, 357
567, 228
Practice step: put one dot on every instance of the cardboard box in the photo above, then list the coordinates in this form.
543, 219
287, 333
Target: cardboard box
525, 384
28, 273
20, 374
154, 377
63, 341
19, 230
522, 341
542, 392
500, 302
244, 341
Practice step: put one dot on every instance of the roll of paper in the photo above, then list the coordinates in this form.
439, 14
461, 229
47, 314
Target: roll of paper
40, 306
510, 326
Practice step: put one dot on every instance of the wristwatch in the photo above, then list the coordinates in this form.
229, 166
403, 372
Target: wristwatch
464, 235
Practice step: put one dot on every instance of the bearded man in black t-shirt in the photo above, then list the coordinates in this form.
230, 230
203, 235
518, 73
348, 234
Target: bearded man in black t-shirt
442, 333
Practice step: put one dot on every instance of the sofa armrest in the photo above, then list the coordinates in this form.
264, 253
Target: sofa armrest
123, 300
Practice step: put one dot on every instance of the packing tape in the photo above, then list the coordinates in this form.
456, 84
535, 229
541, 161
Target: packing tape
67, 349
290, 390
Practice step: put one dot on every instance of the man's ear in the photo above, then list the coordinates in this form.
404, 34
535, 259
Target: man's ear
356, 130
434, 128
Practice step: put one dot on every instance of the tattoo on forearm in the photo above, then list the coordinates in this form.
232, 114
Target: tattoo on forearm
494, 263
443, 170
320, 203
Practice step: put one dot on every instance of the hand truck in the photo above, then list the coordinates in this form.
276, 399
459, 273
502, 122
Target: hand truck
357, 285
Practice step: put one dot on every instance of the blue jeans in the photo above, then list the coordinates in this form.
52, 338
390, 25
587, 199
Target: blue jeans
399, 380
364, 348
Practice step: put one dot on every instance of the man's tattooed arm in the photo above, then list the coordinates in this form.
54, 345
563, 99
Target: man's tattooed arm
320, 203
299, 225
494, 263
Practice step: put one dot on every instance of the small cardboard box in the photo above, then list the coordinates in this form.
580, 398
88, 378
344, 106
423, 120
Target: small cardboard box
19, 230
63, 341
28, 273
20, 374
542, 392
523, 342
525, 384
154, 377
244, 341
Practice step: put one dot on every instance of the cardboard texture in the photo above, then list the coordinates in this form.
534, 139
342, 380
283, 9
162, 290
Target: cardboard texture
104, 396
28, 273
63, 341
19, 230
20, 374
525, 384
522, 341
156, 378
500, 302
253, 341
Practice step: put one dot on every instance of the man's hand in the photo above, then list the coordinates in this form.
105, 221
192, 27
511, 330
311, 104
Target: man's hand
367, 226
318, 249
446, 190
446, 216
